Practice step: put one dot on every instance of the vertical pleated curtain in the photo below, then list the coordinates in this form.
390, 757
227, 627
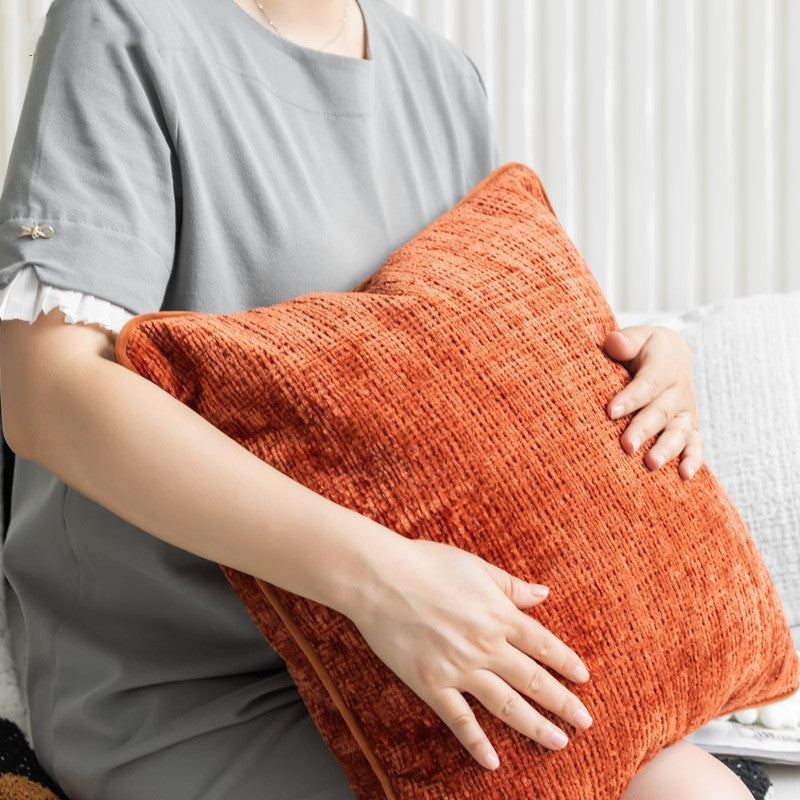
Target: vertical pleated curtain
666, 131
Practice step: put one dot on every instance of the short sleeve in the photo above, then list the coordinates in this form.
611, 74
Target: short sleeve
89, 198
25, 297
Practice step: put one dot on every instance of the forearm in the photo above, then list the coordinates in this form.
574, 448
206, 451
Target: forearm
124, 442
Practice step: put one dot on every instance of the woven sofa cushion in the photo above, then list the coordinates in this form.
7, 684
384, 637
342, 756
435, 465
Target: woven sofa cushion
458, 394
745, 356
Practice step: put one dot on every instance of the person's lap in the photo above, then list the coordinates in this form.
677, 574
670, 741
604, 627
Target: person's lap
287, 759
282, 756
279, 757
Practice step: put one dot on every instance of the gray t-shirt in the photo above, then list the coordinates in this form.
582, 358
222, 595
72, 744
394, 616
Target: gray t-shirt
187, 157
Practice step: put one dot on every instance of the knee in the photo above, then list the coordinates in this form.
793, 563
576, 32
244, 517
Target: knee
684, 771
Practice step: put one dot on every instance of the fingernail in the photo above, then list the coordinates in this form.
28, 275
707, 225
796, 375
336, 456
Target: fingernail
582, 718
659, 461
537, 590
635, 442
558, 738
616, 410
489, 759
580, 673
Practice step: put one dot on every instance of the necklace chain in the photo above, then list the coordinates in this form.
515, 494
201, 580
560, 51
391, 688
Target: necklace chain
341, 26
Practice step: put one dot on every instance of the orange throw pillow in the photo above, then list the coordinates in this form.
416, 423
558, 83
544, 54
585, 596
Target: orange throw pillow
464, 386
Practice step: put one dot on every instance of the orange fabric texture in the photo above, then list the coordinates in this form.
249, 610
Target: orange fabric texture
18, 787
458, 394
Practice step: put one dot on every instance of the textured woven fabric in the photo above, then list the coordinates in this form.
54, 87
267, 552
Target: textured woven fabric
14, 787
749, 400
751, 773
21, 775
458, 394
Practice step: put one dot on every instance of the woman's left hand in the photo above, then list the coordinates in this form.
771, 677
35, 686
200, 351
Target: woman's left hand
660, 361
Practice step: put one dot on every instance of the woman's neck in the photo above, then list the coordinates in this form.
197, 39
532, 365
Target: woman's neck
312, 23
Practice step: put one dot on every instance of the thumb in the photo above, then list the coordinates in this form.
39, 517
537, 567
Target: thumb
520, 592
624, 343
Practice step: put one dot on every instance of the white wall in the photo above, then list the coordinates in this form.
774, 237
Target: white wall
667, 132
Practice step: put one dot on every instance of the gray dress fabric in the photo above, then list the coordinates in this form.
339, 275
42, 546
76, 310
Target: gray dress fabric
187, 157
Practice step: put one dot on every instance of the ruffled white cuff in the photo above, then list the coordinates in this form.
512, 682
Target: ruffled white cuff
26, 296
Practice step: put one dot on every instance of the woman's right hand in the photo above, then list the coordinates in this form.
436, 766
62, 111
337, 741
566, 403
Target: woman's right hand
446, 621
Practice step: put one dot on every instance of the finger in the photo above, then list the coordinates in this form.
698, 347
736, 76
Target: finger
655, 417
662, 345
512, 708
520, 592
659, 348
533, 639
645, 386
692, 458
671, 443
533, 680
454, 710
624, 344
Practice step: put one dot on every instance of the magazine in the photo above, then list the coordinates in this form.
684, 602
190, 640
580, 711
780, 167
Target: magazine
776, 742
730, 738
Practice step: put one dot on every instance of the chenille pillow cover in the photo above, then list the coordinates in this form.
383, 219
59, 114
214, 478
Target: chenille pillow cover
458, 394
739, 380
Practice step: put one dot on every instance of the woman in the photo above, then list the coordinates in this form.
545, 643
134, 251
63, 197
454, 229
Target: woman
220, 156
